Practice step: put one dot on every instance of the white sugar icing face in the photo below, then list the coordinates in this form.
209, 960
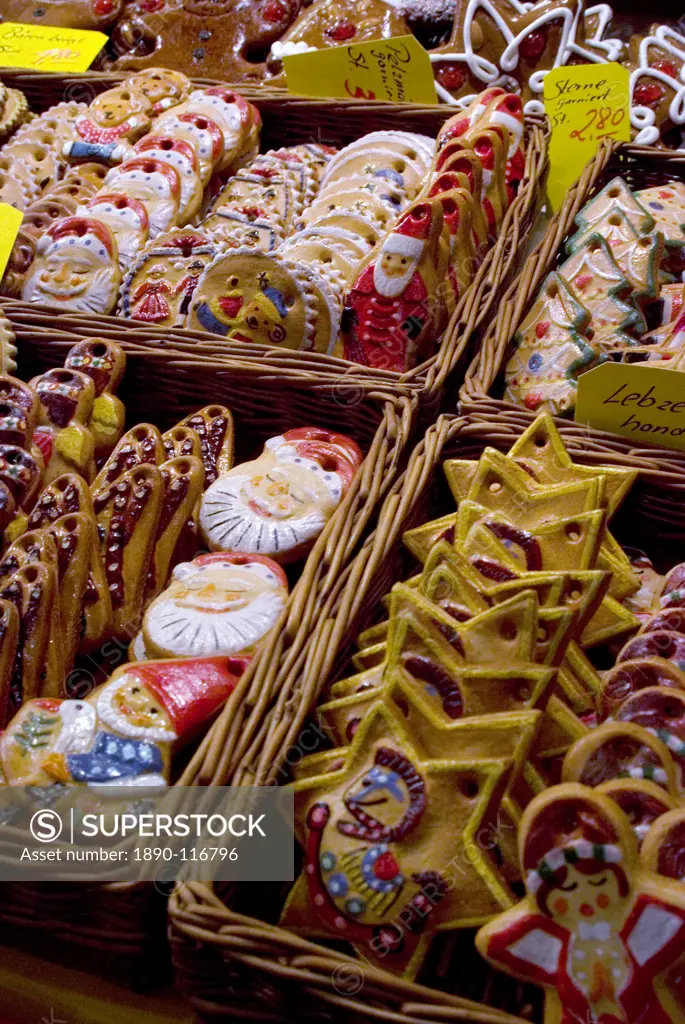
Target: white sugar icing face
219, 608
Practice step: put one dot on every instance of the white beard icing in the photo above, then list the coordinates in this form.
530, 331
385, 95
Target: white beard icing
390, 287
99, 297
110, 716
190, 632
78, 727
230, 525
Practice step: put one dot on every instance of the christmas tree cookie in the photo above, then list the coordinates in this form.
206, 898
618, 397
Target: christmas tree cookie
615, 197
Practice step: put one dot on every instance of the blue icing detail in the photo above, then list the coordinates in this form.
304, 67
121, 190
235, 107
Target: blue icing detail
656, 206
337, 885
355, 906
328, 861
535, 361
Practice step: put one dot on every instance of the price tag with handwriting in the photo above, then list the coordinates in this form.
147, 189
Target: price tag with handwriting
46, 48
10, 219
396, 70
585, 103
634, 400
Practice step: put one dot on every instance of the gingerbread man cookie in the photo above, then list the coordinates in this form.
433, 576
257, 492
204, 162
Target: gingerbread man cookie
159, 287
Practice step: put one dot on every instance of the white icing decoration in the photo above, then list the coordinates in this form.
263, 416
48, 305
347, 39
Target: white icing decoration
280, 50
643, 118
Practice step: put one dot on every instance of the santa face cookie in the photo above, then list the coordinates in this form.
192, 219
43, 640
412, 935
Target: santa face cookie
157, 185
280, 503
159, 287
219, 604
181, 155
126, 218
200, 131
76, 267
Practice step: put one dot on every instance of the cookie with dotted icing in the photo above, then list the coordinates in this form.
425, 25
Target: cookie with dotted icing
666, 204
9, 636
183, 480
141, 445
200, 131
155, 184
183, 156
8, 347
74, 536
159, 287
32, 589
127, 218
213, 425
127, 514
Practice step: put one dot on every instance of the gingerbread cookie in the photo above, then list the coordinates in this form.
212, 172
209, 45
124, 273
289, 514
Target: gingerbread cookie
8, 348
163, 88
156, 184
595, 929
213, 426
115, 117
160, 285
126, 218
183, 480
66, 398
278, 504
218, 604
76, 267
104, 362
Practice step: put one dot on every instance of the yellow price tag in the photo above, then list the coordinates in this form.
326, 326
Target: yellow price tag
635, 400
396, 70
45, 48
585, 103
10, 220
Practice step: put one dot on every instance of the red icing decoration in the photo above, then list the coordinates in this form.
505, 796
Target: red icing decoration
231, 304
386, 867
667, 67
102, 6
542, 328
583, 280
533, 400
343, 31
451, 77
43, 440
275, 12
648, 94
533, 46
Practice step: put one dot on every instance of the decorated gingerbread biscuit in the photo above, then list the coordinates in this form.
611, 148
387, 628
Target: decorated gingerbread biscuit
278, 504
159, 287
66, 398
76, 267
594, 929
104, 362
219, 604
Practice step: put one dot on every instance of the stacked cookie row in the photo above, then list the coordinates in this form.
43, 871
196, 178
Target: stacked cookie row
624, 275
387, 249
464, 703
164, 147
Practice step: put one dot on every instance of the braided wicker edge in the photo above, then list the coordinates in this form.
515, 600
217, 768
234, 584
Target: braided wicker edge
611, 158
204, 927
289, 119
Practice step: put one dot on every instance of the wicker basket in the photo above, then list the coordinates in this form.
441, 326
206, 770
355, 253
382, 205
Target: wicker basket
288, 120
119, 929
641, 167
232, 964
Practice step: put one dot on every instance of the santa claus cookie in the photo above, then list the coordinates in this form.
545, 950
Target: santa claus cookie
76, 267
104, 362
125, 217
199, 131
388, 321
123, 733
219, 604
255, 297
156, 184
278, 504
595, 929
325, 23
183, 156
159, 287
235, 116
